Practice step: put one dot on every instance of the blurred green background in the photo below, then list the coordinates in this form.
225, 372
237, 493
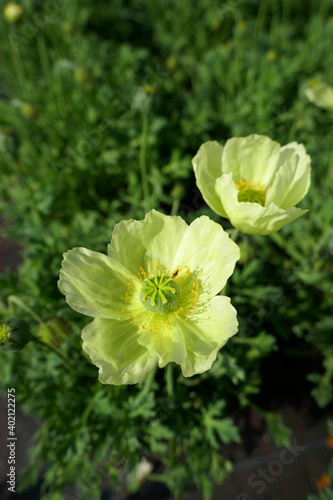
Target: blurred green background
103, 105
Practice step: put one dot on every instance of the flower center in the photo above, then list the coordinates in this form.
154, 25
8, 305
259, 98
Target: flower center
251, 192
4, 331
160, 294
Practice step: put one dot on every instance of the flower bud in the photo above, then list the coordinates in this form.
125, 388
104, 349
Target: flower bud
271, 55
28, 110
14, 334
241, 25
178, 191
68, 28
171, 63
13, 12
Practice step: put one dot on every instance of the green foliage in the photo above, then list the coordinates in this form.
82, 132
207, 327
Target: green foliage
101, 111
212, 424
279, 432
323, 495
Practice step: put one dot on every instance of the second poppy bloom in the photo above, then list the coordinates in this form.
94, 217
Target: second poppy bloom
253, 182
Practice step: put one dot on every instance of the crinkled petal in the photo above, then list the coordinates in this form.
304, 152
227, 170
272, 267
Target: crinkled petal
198, 363
113, 346
209, 253
251, 158
289, 150
252, 218
292, 181
167, 343
93, 283
207, 168
206, 332
147, 243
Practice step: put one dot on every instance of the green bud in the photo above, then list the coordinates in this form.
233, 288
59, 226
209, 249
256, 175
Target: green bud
178, 191
271, 55
68, 27
149, 89
171, 63
14, 334
241, 26
27, 110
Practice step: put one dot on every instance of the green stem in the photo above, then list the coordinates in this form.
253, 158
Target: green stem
142, 160
145, 391
16, 300
19, 68
260, 19
175, 207
54, 351
88, 409
169, 380
285, 11
148, 383
43, 57
287, 247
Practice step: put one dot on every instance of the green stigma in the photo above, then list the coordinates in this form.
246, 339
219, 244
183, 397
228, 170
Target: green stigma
160, 294
251, 192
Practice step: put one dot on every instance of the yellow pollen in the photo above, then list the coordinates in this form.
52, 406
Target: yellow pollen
252, 192
142, 271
